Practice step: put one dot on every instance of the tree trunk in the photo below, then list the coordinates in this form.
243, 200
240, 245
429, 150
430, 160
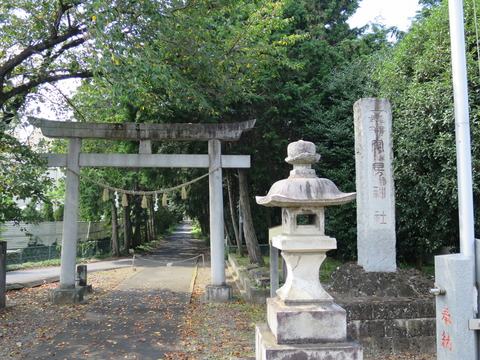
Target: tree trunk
227, 235
254, 253
115, 245
231, 202
127, 228
137, 222
148, 222
151, 206
203, 220
146, 232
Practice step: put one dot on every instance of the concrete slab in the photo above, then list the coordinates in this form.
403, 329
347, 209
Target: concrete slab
312, 323
174, 278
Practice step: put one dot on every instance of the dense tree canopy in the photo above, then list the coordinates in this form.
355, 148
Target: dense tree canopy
294, 66
42, 42
194, 57
181, 62
208, 61
149, 57
416, 76
314, 103
21, 178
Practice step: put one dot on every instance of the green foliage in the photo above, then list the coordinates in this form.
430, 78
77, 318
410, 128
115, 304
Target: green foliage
243, 261
22, 177
290, 65
166, 219
195, 57
27, 265
328, 265
331, 128
47, 212
295, 66
91, 206
428, 269
87, 247
42, 42
315, 103
151, 245
32, 213
197, 232
58, 213
37, 255
417, 79
51, 262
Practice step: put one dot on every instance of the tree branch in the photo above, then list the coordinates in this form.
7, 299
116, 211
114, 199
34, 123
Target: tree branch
62, 9
69, 102
41, 46
48, 60
42, 80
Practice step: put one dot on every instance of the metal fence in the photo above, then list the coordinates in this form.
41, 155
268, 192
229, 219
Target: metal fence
49, 233
42, 253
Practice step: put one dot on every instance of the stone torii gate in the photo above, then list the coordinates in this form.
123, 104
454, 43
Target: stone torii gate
218, 290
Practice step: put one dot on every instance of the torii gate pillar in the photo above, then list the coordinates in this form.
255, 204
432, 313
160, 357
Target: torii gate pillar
218, 290
68, 293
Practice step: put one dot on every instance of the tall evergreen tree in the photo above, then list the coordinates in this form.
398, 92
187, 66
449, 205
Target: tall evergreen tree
417, 79
314, 103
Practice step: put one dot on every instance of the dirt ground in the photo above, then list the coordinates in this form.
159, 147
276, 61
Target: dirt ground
210, 331
30, 318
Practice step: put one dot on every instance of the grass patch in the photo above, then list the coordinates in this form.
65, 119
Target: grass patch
45, 263
38, 264
425, 268
198, 234
244, 261
149, 246
327, 267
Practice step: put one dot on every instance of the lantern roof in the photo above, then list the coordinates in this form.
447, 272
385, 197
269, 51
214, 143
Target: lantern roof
303, 187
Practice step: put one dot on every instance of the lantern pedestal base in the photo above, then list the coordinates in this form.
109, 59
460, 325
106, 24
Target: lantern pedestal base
268, 349
309, 323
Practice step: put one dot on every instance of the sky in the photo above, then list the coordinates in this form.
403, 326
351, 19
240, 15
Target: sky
388, 12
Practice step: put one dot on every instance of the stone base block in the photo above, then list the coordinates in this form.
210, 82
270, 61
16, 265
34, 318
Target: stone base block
87, 289
218, 293
67, 296
456, 274
268, 349
299, 324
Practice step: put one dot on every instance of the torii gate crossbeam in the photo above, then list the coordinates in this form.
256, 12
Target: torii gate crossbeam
218, 290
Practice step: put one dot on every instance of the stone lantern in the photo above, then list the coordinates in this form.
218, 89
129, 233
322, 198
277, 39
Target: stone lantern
303, 321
